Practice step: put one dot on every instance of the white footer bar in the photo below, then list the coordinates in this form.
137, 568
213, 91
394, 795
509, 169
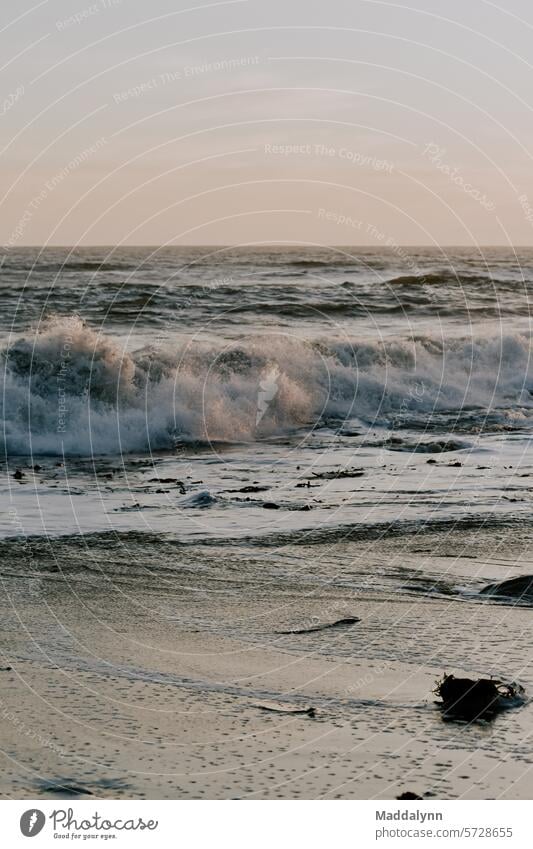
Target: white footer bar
266, 825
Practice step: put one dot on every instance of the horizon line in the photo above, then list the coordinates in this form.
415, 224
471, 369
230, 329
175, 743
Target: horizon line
393, 248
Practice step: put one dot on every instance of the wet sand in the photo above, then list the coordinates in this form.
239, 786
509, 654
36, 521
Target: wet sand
143, 669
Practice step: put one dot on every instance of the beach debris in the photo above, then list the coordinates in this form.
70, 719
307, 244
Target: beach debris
408, 794
37, 468
469, 700
18, 475
338, 473
280, 707
162, 480
179, 484
339, 623
271, 505
518, 588
251, 488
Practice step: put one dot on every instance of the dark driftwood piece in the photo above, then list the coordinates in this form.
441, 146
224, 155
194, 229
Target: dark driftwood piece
275, 707
348, 620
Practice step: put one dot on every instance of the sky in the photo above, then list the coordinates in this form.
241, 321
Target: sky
362, 122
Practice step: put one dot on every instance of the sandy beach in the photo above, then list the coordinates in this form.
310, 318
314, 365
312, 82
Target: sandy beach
165, 684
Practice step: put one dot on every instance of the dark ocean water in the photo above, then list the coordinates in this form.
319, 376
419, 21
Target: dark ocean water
183, 289
205, 364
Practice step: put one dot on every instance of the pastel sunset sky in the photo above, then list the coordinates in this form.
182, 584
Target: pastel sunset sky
352, 122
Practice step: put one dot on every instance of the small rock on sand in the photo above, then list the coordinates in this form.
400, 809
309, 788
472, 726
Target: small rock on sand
409, 795
518, 588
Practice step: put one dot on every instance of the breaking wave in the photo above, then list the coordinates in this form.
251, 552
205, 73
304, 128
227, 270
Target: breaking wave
67, 388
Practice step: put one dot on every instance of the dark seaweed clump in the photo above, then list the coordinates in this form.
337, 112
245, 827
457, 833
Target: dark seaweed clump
469, 700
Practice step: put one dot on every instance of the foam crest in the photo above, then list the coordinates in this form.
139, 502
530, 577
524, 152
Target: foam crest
70, 389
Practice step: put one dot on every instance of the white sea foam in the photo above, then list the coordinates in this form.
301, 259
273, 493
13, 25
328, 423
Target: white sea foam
69, 389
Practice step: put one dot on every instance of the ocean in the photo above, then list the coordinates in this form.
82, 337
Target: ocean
281, 364
211, 449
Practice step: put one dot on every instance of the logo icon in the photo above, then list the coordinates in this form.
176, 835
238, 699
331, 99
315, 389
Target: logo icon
32, 822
